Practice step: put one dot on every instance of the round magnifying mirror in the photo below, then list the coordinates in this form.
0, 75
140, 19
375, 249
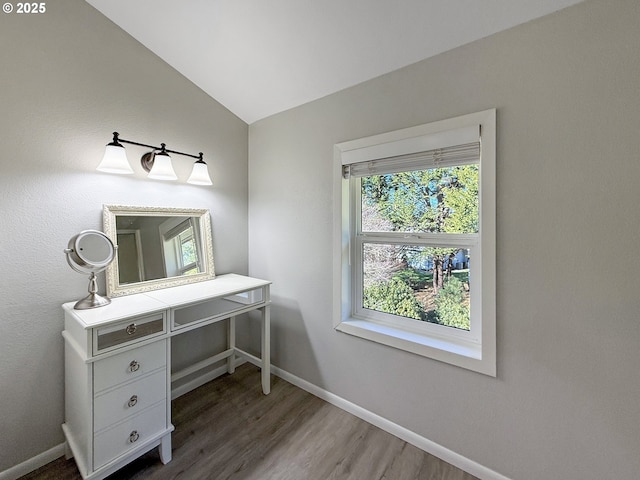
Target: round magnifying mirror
90, 251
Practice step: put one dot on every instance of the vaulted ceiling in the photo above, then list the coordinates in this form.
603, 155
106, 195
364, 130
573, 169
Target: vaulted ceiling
261, 57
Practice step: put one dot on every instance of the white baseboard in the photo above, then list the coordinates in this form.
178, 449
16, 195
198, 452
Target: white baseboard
405, 434
33, 463
202, 379
197, 382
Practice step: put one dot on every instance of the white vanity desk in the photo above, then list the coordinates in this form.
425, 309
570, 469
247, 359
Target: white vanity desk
118, 365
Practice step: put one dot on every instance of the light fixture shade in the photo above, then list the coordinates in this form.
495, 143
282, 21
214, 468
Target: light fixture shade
162, 168
200, 174
115, 160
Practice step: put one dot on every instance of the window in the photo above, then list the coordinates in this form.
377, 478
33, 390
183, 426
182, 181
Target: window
185, 248
179, 247
416, 249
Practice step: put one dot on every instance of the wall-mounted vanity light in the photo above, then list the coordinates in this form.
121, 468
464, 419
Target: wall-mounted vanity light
157, 162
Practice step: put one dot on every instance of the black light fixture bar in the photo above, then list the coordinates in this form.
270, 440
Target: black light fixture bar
117, 140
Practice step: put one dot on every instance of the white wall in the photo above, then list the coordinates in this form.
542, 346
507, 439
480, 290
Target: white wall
68, 79
565, 404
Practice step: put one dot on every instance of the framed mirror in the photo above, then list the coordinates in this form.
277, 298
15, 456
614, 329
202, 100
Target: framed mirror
157, 247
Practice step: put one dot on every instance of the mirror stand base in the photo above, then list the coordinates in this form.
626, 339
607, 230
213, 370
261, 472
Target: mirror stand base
93, 300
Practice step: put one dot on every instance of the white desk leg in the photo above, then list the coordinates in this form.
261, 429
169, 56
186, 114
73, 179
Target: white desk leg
266, 350
165, 449
231, 342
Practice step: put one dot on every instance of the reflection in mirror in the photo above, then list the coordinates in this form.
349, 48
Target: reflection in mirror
157, 247
150, 248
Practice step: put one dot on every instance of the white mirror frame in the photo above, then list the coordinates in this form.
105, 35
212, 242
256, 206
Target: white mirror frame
109, 214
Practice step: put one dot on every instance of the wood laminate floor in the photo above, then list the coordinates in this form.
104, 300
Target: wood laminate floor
227, 429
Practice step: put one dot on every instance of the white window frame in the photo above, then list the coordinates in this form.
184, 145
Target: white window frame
178, 247
170, 231
474, 349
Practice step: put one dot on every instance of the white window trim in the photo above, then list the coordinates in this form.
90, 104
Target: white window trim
477, 354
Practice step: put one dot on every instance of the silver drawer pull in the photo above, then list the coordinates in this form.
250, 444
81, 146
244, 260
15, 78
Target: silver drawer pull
134, 366
132, 401
134, 436
131, 329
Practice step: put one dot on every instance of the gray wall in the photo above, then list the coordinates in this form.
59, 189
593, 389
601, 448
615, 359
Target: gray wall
565, 404
68, 79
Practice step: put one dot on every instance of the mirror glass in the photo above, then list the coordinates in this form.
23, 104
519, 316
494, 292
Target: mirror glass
90, 251
157, 248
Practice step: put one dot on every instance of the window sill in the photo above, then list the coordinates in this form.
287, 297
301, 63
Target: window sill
448, 350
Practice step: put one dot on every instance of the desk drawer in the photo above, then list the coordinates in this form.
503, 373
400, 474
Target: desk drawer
129, 434
129, 365
116, 405
130, 331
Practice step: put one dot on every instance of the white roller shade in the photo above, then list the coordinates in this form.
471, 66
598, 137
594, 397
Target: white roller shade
443, 149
